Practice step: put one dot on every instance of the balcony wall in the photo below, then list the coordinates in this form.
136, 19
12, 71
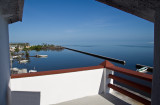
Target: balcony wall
56, 88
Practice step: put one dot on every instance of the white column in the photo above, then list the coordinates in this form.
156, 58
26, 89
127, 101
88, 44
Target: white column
156, 71
105, 80
4, 62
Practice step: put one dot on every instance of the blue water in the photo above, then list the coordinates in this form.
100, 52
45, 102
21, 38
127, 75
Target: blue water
131, 52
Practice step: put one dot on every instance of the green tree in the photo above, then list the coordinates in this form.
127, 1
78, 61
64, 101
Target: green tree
17, 49
27, 54
25, 49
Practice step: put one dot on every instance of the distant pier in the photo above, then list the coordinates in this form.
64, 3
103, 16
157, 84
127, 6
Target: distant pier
98, 56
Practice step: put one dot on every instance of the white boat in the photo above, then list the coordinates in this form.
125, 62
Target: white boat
15, 69
19, 55
143, 69
18, 71
42, 56
32, 71
14, 56
23, 61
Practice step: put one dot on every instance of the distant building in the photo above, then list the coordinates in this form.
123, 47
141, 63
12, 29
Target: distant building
12, 49
20, 46
28, 46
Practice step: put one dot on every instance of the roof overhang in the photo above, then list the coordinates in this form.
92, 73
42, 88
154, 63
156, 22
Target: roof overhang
142, 8
12, 10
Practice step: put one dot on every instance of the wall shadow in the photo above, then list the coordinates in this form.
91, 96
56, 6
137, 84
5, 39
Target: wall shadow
25, 98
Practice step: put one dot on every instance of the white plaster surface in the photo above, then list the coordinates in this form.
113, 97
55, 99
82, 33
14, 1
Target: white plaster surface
63, 87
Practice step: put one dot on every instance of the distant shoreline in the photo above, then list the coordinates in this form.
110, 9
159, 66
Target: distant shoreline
16, 47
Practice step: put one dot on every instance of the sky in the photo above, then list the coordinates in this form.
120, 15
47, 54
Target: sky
78, 21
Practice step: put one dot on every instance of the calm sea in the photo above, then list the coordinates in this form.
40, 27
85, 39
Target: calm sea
132, 52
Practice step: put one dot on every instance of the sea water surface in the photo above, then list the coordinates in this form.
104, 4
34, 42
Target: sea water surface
131, 52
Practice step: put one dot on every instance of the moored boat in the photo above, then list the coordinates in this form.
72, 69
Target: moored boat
23, 61
42, 56
32, 71
143, 69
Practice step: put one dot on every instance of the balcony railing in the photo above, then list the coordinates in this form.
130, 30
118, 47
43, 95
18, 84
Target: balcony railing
132, 73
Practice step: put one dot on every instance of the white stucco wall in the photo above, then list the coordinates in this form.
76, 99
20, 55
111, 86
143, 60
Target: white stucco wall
4, 61
58, 88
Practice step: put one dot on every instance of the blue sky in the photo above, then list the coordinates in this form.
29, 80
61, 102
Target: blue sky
77, 21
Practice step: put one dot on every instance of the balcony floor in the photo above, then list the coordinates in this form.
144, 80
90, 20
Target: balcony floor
95, 100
